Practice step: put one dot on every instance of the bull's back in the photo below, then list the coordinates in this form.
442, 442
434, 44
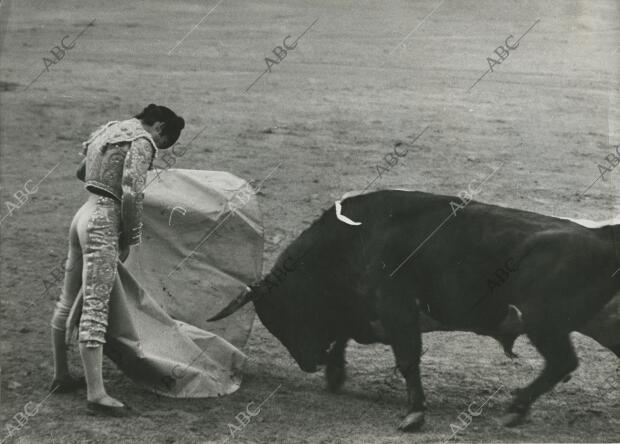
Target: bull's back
466, 261
448, 254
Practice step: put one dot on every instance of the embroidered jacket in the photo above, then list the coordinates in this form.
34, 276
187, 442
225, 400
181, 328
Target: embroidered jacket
118, 155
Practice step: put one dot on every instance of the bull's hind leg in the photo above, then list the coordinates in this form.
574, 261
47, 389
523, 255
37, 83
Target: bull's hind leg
560, 361
400, 319
335, 372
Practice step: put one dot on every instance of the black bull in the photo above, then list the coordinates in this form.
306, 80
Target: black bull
338, 281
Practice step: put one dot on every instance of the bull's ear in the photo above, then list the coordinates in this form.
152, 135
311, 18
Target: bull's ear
247, 295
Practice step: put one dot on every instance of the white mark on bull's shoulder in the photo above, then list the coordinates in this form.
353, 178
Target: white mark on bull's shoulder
342, 218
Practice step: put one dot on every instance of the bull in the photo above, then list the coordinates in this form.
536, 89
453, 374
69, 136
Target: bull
403, 262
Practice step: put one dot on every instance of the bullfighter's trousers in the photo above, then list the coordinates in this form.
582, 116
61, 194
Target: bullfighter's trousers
91, 266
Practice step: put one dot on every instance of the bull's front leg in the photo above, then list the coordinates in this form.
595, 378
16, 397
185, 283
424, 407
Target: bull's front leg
408, 362
335, 372
400, 321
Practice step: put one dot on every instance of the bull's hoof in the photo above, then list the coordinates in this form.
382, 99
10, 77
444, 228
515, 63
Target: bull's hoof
335, 376
412, 422
513, 419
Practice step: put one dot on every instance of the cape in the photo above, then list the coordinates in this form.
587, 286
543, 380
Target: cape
201, 245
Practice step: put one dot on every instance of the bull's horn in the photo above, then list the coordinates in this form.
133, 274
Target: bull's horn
247, 295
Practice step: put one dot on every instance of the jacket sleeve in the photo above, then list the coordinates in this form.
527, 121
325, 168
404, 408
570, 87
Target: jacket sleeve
133, 183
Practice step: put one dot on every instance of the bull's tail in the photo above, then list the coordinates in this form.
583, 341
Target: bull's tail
507, 341
510, 329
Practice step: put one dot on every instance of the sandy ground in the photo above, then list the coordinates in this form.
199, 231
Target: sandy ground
366, 76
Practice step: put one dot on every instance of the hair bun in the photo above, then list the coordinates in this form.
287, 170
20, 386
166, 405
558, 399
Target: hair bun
173, 124
152, 110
